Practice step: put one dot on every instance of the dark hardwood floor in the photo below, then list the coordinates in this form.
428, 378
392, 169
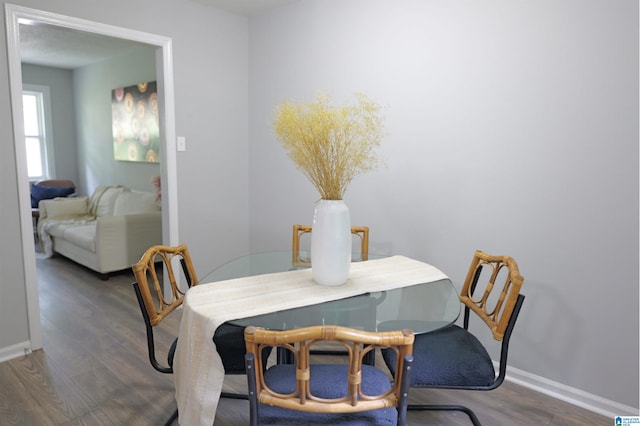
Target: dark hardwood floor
94, 370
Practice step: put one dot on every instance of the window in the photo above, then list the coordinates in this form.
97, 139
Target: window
35, 101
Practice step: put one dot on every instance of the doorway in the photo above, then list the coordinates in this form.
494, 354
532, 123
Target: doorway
16, 16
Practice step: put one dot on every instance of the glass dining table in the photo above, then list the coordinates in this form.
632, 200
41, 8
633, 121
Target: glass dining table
264, 289
423, 307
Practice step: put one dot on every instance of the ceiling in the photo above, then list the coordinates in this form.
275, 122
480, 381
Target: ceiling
59, 47
64, 48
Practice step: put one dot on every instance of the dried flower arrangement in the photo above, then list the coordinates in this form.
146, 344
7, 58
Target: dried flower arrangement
330, 144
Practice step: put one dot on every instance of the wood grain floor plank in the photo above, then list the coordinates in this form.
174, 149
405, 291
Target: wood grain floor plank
55, 393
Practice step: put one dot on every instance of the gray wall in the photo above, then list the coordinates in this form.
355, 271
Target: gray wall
512, 128
60, 83
92, 91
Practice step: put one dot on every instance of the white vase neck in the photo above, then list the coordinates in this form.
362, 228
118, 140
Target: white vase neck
324, 200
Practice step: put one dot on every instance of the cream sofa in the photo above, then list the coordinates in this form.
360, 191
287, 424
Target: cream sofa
106, 232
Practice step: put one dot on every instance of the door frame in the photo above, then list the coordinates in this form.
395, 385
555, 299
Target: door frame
16, 15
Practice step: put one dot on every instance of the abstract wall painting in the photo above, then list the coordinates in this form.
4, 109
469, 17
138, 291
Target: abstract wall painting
136, 130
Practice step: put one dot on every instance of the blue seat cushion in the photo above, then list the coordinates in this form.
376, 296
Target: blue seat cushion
448, 357
41, 192
327, 381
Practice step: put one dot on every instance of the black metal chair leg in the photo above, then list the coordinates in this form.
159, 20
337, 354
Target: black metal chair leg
467, 411
234, 395
284, 356
173, 417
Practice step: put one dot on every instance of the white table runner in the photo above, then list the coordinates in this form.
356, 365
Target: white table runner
198, 370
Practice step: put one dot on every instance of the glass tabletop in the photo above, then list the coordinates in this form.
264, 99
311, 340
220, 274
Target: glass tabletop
263, 263
423, 307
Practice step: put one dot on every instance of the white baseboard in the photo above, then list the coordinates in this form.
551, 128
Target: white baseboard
571, 395
15, 351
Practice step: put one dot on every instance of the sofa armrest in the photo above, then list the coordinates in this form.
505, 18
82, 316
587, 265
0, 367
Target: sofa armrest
122, 240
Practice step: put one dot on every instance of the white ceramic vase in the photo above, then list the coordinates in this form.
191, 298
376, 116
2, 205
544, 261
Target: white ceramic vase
331, 243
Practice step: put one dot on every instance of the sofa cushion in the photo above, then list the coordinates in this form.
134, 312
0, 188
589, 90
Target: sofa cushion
135, 202
104, 199
66, 207
42, 192
57, 230
83, 236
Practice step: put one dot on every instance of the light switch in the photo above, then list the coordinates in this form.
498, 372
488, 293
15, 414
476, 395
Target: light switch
182, 143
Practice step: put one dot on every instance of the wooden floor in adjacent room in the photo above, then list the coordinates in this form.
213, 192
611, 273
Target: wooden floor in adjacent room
94, 370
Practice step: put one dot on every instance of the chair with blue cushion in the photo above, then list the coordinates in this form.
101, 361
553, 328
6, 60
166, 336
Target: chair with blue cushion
453, 358
298, 260
155, 306
309, 394
47, 190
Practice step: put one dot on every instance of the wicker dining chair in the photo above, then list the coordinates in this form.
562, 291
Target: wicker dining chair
320, 394
361, 232
453, 358
156, 306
